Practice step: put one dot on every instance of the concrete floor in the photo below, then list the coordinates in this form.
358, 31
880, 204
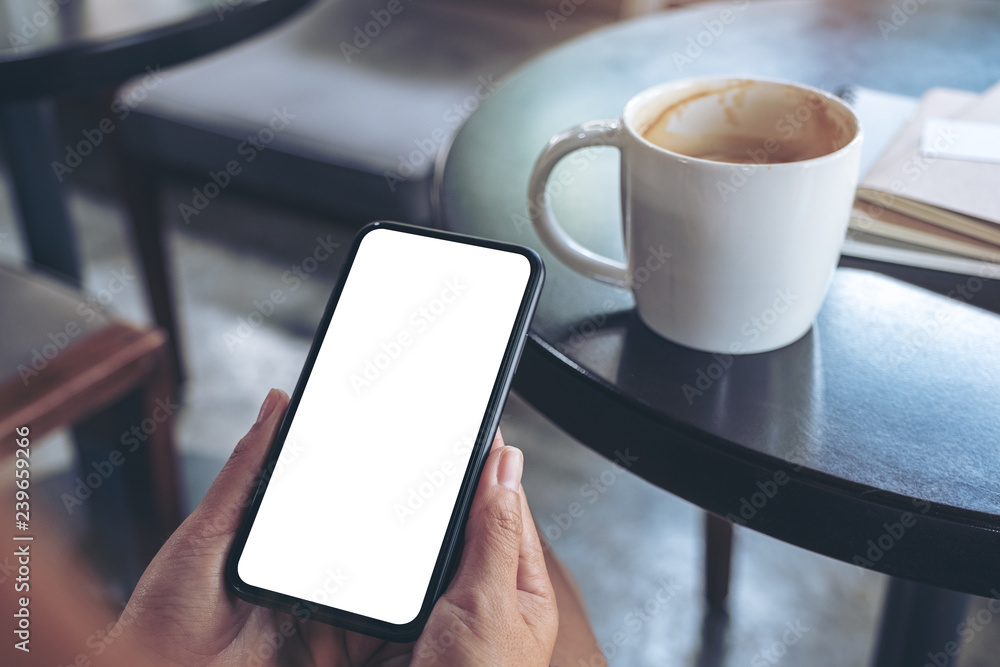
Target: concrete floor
631, 541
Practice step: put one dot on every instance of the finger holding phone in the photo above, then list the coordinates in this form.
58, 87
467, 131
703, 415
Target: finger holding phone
402, 389
498, 610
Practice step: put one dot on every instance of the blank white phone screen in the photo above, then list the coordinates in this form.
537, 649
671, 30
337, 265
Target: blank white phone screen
359, 500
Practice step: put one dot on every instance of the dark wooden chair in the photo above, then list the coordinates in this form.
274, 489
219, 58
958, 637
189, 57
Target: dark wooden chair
63, 364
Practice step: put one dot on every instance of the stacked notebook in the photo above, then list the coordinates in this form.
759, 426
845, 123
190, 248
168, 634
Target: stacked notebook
929, 194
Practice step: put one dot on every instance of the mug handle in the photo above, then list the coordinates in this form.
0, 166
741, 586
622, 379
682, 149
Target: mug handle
574, 255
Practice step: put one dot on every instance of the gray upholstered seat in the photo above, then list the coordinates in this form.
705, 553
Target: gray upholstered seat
42, 317
349, 105
65, 362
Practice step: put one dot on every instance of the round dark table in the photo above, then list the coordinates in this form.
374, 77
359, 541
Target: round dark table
872, 440
86, 47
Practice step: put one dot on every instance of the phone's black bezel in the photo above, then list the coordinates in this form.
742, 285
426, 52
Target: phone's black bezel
451, 544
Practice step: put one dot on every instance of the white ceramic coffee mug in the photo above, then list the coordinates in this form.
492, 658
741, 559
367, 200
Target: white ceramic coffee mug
753, 243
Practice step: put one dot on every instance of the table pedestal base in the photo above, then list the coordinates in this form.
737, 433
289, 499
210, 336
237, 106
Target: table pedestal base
718, 560
919, 625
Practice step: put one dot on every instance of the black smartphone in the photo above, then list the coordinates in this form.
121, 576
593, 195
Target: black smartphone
359, 511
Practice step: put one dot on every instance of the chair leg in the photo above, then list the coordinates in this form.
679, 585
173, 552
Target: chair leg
718, 560
28, 132
161, 400
128, 464
140, 192
114, 493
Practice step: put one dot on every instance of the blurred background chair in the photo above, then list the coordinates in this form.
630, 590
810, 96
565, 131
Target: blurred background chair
64, 364
346, 109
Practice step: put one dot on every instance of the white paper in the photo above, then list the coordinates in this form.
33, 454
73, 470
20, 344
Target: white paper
961, 140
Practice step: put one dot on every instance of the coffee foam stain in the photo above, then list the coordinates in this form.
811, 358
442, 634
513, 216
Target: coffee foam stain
676, 110
803, 146
737, 102
733, 148
828, 125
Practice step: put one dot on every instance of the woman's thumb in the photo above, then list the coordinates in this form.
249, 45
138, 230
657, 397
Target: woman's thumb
226, 501
493, 533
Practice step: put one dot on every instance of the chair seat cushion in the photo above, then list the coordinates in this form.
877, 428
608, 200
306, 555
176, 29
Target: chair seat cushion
42, 317
346, 88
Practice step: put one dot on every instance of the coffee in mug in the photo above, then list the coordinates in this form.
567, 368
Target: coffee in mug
746, 183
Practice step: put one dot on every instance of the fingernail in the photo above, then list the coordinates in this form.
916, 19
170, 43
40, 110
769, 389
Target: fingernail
510, 467
270, 401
